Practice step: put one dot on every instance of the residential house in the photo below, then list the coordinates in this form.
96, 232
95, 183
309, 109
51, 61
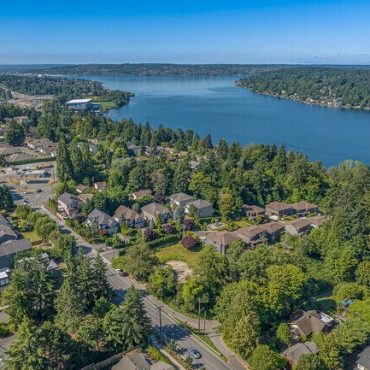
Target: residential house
294, 353
85, 197
252, 212
363, 359
278, 209
69, 205
139, 194
133, 149
105, 224
44, 146
303, 208
317, 221
137, 360
10, 248
129, 216
7, 233
309, 322
100, 186
4, 278
3, 220
252, 235
153, 151
273, 230
255, 234
81, 188
298, 227
194, 165
152, 210
221, 240
180, 199
202, 207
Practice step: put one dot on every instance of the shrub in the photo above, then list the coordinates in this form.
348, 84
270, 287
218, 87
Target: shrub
189, 242
166, 240
188, 224
148, 234
168, 228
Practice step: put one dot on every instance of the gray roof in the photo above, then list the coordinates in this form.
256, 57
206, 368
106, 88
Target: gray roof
181, 197
154, 209
199, 204
7, 230
14, 246
68, 198
101, 218
297, 350
3, 220
363, 358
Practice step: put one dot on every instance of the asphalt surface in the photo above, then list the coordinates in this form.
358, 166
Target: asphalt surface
170, 327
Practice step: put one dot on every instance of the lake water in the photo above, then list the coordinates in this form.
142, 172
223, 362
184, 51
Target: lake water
217, 106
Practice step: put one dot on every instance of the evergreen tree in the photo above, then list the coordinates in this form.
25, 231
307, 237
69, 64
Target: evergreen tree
6, 200
102, 287
14, 135
69, 306
127, 326
181, 177
26, 351
64, 164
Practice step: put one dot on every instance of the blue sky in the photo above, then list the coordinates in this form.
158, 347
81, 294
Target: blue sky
203, 31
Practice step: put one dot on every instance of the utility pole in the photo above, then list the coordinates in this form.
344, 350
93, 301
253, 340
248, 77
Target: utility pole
199, 301
204, 323
160, 324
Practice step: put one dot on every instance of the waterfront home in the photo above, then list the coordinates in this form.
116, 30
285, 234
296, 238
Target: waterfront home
203, 208
105, 224
180, 199
252, 212
152, 210
125, 215
68, 205
221, 240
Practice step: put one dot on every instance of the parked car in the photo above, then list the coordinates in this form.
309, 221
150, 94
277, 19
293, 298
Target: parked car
195, 353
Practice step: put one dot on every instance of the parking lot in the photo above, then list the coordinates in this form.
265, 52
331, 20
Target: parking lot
30, 184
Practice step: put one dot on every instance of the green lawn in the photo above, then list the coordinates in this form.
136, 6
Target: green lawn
32, 236
178, 252
244, 222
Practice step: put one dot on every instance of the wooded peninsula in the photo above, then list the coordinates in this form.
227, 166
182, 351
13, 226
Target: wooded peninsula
341, 87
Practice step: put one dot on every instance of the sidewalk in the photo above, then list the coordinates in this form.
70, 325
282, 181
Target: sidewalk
211, 325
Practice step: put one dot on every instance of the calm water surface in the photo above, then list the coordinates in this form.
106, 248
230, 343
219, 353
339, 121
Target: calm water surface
217, 106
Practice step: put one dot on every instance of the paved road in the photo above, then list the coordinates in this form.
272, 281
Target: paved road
184, 338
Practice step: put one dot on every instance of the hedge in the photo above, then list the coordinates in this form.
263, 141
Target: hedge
29, 161
166, 240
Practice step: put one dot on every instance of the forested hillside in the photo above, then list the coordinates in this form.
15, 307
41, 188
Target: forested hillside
333, 87
62, 88
157, 69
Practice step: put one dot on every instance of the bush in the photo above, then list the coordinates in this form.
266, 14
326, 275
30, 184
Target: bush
168, 228
188, 224
148, 234
189, 242
166, 240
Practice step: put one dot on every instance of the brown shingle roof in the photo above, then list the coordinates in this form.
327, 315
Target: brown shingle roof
126, 213
278, 206
223, 238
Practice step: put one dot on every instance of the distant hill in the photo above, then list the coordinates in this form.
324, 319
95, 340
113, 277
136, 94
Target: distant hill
145, 69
